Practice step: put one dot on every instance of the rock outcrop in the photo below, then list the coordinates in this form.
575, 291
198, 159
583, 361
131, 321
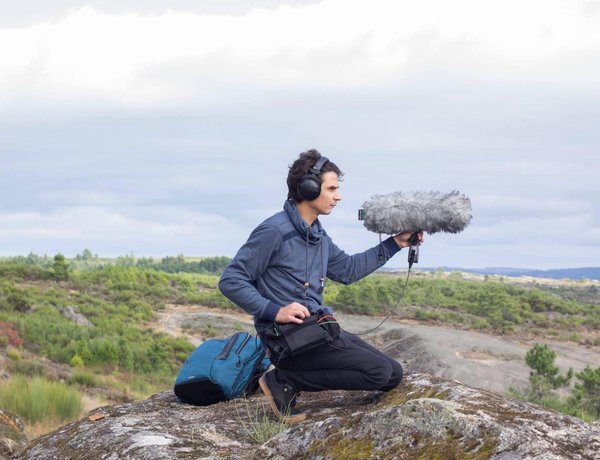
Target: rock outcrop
426, 417
72, 313
12, 434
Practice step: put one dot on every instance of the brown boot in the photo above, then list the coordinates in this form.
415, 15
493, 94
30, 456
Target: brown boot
281, 397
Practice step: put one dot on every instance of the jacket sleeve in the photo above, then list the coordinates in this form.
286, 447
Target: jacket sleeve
238, 281
347, 269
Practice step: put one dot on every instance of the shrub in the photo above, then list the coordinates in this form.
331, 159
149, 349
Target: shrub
76, 361
8, 330
60, 268
14, 355
84, 379
28, 368
18, 300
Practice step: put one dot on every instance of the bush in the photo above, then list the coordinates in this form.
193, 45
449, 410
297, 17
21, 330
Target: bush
76, 361
23, 271
28, 368
14, 355
38, 399
60, 268
84, 379
8, 330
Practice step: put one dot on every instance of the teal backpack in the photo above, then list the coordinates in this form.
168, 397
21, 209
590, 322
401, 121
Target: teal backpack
222, 369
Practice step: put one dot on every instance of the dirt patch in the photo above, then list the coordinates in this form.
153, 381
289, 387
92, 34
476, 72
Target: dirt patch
482, 360
197, 323
475, 358
483, 355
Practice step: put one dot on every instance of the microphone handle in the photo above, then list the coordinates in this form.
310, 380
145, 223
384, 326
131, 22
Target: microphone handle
413, 252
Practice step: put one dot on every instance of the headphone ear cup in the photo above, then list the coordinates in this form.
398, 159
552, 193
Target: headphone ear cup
309, 187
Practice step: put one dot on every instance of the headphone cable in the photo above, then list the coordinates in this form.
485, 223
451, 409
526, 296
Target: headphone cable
392, 310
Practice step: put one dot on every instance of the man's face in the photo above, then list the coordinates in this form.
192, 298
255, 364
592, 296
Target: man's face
330, 194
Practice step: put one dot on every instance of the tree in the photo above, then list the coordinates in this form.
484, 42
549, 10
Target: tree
86, 255
60, 268
587, 393
546, 375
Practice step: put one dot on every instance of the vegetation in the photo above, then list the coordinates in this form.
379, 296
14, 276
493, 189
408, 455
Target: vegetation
121, 351
586, 395
87, 261
451, 299
545, 377
60, 268
38, 399
257, 422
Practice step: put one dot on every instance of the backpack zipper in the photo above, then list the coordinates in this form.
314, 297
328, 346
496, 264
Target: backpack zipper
243, 344
257, 363
228, 346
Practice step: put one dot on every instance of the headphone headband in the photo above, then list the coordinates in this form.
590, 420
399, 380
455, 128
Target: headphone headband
316, 168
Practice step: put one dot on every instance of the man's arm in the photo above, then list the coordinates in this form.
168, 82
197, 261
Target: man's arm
347, 269
238, 281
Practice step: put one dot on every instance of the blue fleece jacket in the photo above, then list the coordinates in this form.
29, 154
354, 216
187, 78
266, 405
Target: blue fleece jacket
281, 254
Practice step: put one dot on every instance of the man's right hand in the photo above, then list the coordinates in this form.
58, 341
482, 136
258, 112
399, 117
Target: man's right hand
292, 313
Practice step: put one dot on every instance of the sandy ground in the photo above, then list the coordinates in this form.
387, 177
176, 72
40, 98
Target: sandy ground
477, 359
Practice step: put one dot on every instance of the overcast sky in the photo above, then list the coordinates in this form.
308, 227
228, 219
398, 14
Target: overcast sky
159, 128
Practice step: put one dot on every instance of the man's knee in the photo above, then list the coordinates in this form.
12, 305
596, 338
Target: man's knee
395, 377
379, 376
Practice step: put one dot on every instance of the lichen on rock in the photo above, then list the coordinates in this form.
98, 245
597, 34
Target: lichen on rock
425, 417
12, 434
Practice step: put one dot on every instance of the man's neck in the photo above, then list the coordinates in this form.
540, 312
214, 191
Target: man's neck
308, 214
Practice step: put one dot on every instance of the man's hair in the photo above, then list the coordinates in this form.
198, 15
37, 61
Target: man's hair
301, 167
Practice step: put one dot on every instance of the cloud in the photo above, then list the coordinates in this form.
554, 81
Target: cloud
20, 14
155, 230
132, 59
136, 127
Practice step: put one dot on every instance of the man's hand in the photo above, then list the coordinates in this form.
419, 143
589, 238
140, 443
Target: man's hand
292, 313
402, 239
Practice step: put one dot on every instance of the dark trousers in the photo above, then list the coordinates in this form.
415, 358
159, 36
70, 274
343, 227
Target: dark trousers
348, 363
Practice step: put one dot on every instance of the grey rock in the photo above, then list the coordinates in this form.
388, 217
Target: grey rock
75, 316
12, 434
426, 417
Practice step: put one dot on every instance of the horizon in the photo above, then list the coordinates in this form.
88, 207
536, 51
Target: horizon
193, 257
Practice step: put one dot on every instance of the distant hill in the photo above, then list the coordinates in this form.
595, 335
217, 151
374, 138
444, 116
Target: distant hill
557, 273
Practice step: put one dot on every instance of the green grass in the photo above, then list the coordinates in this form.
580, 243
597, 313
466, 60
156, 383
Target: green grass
257, 422
37, 399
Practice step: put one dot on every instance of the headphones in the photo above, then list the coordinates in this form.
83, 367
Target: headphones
309, 186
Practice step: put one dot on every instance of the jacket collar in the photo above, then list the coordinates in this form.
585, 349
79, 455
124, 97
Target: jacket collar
315, 231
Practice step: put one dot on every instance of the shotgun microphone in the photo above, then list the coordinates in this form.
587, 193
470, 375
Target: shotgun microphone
429, 212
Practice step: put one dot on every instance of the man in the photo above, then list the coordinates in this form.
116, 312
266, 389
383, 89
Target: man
278, 276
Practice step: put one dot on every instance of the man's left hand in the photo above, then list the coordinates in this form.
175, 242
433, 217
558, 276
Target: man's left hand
402, 239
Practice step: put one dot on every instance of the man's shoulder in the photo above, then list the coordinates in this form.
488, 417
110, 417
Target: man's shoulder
278, 222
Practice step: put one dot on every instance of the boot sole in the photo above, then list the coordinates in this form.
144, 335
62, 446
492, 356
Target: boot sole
289, 419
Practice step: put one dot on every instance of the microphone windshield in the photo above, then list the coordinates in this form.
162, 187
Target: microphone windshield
430, 212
